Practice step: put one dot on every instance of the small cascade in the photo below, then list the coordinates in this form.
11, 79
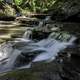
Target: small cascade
53, 46
41, 23
22, 52
27, 34
25, 51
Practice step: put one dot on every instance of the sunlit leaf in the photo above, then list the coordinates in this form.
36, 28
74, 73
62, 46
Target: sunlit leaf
18, 2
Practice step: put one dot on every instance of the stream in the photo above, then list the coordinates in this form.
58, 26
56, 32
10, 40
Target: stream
21, 52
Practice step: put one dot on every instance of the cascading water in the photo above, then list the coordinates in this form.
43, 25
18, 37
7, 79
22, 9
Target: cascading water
21, 53
53, 46
41, 23
27, 34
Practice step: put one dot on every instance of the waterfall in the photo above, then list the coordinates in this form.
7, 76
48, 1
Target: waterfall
27, 34
25, 52
52, 48
42, 22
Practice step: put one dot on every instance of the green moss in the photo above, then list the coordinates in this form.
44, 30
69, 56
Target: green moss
21, 75
37, 72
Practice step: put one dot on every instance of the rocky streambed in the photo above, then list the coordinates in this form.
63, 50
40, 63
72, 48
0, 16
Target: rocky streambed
65, 66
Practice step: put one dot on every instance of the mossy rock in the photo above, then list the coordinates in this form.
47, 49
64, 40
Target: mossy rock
39, 71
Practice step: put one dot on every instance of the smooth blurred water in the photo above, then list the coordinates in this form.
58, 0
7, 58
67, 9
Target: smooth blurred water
22, 52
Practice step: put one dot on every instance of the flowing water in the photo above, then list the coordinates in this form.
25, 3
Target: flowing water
27, 34
23, 52
42, 22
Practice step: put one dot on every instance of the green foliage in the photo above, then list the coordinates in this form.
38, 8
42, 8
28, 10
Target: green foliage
1, 0
36, 5
18, 2
9, 10
29, 6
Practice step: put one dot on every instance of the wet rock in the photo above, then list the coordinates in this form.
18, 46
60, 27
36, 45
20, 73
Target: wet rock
40, 35
28, 21
7, 18
70, 64
39, 71
71, 69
